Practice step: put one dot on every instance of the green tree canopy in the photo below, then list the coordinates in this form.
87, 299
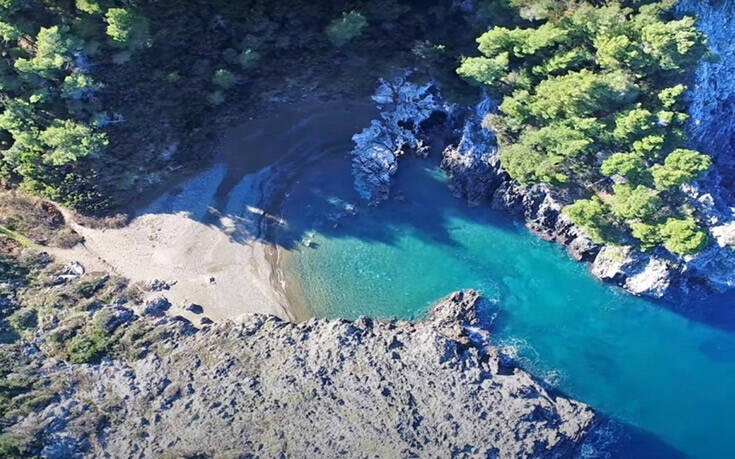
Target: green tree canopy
683, 236
53, 50
649, 236
127, 29
69, 141
680, 166
639, 203
95, 7
345, 29
629, 165
223, 78
592, 100
592, 215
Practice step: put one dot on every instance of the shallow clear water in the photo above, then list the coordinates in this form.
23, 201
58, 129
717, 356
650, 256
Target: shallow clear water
668, 370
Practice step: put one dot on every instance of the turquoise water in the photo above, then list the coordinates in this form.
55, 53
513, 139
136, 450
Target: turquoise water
668, 370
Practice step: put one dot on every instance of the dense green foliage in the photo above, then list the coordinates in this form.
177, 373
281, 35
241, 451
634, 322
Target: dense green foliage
592, 100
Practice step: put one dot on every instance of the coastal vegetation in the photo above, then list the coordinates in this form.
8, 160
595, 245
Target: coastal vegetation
101, 98
593, 101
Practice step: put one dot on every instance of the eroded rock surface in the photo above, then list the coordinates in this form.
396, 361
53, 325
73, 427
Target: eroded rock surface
712, 98
472, 163
404, 106
319, 388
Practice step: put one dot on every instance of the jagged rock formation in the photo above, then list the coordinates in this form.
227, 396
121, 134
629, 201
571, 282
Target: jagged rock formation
712, 100
473, 166
319, 388
403, 106
473, 163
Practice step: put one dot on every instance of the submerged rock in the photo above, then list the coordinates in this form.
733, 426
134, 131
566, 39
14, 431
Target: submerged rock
319, 388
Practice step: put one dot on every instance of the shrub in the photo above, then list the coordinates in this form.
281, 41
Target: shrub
216, 98
248, 58
94, 7
345, 29
223, 78
84, 348
127, 29
683, 236
13, 446
23, 319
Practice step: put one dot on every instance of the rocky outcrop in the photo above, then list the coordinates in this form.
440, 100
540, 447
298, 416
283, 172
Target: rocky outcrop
472, 163
541, 208
712, 96
320, 388
476, 174
637, 272
404, 106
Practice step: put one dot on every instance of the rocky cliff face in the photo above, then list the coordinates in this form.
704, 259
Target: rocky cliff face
320, 388
475, 172
712, 100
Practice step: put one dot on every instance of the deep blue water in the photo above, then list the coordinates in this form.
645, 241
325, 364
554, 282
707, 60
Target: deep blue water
668, 370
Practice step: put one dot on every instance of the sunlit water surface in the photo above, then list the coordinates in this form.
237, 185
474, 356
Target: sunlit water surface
668, 370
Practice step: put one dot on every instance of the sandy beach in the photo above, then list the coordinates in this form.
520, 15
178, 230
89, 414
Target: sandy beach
209, 257
211, 237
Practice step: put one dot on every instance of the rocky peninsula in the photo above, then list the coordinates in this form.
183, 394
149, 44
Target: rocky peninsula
269, 387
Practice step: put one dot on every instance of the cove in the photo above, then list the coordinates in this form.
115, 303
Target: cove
666, 369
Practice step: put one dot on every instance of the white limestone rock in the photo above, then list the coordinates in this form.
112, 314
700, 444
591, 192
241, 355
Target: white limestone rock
653, 280
725, 234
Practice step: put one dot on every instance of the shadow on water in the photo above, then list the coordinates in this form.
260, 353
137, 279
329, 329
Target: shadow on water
420, 203
613, 439
309, 185
313, 194
714, 309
